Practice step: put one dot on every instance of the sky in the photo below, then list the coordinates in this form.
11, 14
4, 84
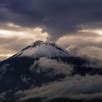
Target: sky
71, 23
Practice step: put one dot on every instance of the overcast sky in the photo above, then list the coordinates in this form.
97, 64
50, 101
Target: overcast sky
69, 22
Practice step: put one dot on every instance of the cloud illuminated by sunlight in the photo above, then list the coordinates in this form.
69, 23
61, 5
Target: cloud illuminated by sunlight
12, 25
14, 37
5, 56
35, 33
96, 31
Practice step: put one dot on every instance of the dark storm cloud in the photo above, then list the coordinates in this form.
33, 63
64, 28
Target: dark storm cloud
55, 16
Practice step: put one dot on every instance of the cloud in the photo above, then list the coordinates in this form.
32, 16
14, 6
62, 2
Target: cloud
55, 67
86, 39
87, 44
54, 16
76, 87
88, 51
13, 38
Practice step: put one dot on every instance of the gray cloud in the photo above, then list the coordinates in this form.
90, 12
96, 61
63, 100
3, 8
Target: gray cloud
83, 45
77, 87
55, 16
88, 51
57, 67
83, 39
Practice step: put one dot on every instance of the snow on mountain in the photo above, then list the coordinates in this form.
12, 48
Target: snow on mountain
42, 49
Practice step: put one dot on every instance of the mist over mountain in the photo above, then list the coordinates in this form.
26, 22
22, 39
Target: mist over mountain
43, 69
93, 52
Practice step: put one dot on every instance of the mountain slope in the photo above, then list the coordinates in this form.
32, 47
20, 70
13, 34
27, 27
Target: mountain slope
15, 72
38, 64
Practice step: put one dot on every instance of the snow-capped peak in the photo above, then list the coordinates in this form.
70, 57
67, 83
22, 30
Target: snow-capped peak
42, 49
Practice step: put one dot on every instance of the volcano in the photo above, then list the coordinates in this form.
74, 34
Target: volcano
39, 64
